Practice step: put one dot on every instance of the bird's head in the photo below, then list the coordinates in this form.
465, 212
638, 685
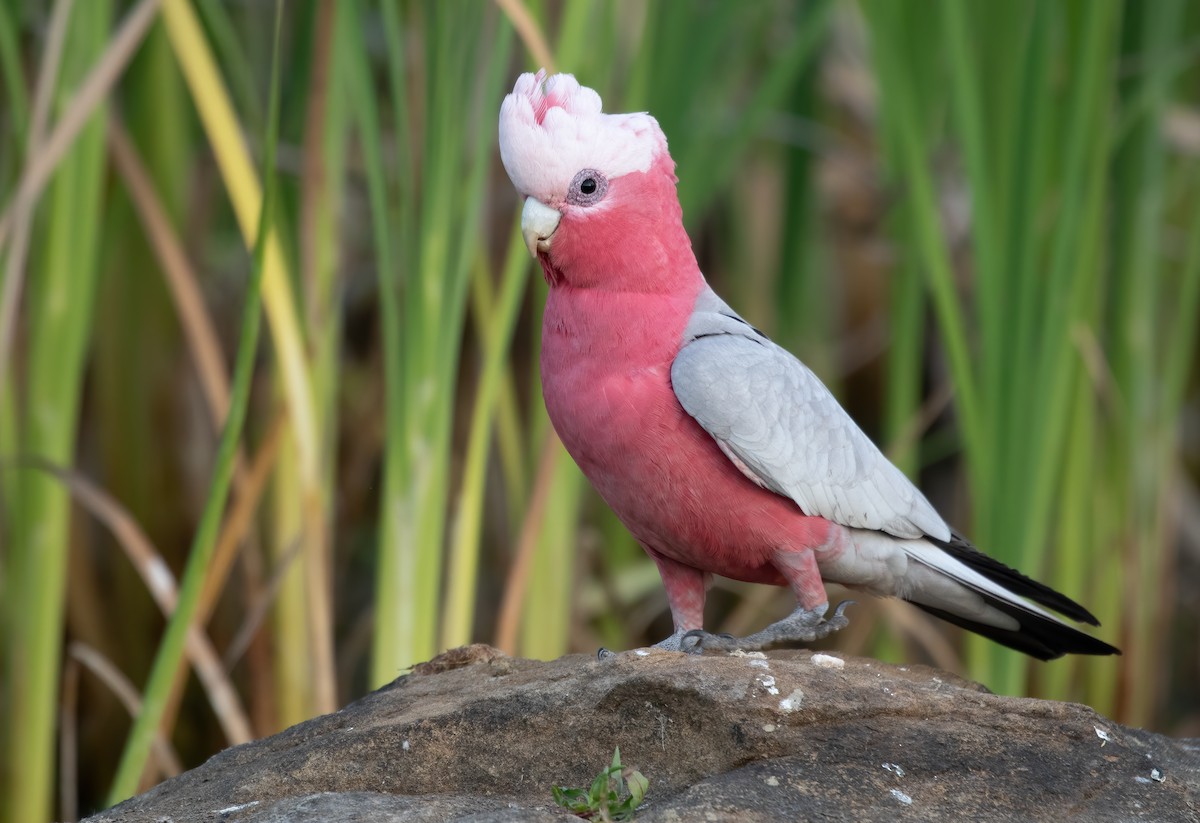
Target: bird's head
600, 199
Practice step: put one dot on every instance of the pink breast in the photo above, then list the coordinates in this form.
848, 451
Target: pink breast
661, 473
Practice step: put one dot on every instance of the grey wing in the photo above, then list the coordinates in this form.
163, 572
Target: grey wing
783, 428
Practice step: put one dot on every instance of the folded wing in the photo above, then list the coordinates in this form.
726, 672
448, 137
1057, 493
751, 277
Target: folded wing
774, 418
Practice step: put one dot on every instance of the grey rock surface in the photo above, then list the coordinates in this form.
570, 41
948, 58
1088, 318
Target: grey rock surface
477, 736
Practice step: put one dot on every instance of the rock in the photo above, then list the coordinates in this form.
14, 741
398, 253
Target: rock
476, 736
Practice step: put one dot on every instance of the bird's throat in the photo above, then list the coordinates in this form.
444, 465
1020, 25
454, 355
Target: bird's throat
550, 272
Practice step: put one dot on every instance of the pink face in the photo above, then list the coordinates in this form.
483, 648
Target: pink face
601, 208
633, 230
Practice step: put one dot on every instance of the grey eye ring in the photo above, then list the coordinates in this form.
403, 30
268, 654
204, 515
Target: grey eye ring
587, 188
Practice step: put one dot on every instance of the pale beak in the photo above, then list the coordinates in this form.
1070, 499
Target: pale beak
538, 224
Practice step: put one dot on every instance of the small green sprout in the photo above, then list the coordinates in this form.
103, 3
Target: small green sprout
606, 800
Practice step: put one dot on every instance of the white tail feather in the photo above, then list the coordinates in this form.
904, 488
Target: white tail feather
923, 573
930, 556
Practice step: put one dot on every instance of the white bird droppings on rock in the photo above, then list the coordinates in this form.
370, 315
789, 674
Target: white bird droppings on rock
1141, 779
760, 664
768, 683
238, 808
405, 745
902, 797
641, 652
772, 781
752, 655
1157, 776
894, 768
769, 727
828, 661
792, 702
1102, 734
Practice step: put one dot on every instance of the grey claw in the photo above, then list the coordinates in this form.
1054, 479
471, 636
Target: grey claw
697, 646
841, 607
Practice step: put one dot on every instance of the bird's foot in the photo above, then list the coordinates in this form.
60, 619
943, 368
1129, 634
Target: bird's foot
674, 643
801, 626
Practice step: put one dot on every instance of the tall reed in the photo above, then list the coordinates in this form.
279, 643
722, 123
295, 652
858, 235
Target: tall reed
1061, 290
58, 307
170, 651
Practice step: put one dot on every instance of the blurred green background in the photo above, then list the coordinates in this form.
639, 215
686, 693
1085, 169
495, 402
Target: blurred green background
979, 222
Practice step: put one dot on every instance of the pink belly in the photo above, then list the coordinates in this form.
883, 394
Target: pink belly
667, 480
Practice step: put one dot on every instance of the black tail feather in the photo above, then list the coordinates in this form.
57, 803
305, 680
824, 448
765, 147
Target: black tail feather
1037, 636
961, 549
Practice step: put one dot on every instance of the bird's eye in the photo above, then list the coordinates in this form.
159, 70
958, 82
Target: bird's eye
587, 188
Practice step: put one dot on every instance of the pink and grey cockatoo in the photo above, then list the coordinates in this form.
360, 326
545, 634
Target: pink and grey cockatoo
720, 451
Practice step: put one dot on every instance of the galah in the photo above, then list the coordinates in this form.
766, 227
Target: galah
719, 450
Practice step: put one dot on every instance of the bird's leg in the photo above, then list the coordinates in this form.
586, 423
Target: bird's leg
686, 588
804, 625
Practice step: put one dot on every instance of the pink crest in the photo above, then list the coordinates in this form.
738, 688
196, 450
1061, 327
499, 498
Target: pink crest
544, 102
551, 127
562, 91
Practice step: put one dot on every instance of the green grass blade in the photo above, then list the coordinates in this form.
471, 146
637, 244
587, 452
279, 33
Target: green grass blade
17, 99
545, 619
59, 312
238, 68
1181, 344
396, 623
1138, 312
709, 166
444, 216
912, 152
463, 562
170, 652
